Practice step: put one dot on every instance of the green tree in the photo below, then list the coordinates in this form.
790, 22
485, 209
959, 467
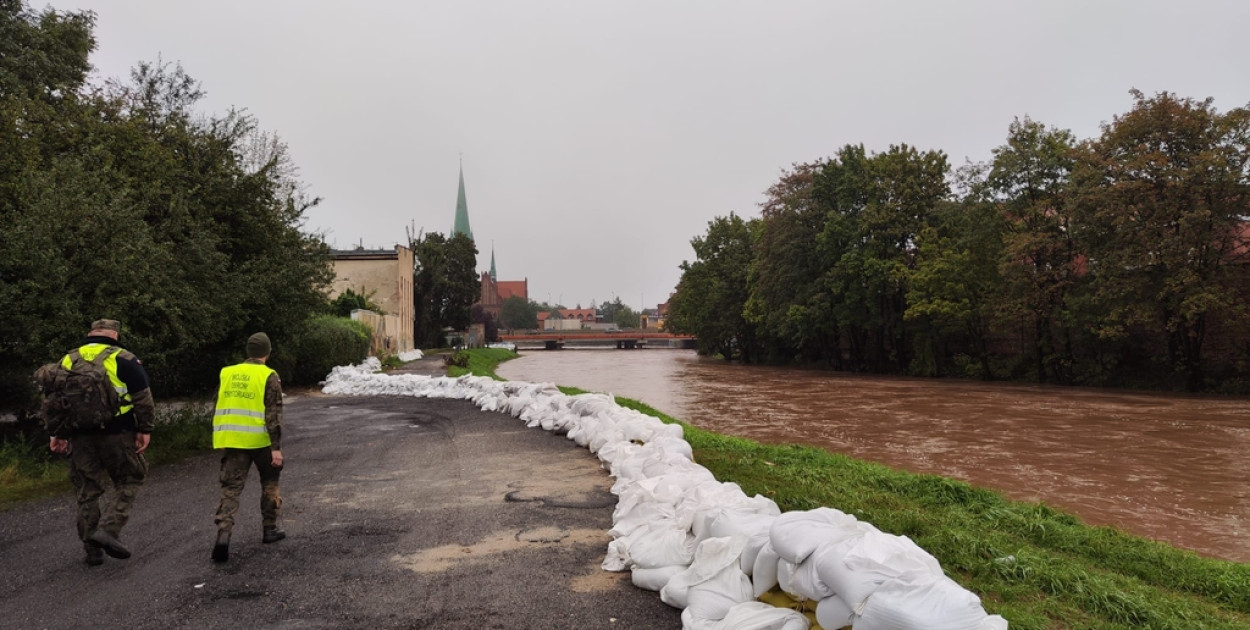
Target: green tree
43, 65
787, 303
518, 312
463, 282
349, 300
608, 310
1160, 204
1029, 180
44, 55
230, 257
479, 315
712, 292
875, 206
617, 312
445, 285
953, 285
122, 201
626, 318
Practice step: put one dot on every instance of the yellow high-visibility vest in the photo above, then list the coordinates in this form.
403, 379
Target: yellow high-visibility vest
89, 353
239, 421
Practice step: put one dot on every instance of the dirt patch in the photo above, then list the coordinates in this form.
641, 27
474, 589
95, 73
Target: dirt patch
439, 559
597, 580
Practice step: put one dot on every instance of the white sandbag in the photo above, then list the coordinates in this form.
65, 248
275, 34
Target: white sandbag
616, 451
795, 535
642, 514
706, 495
761, 616
655, 579
755, 542
665, 462
604, 434
832, 613
932, 603
741, 515
752, 519
589, 403
665, 489
690, 622
566, 420
802, 580
646, 464
640, 427
713, 599
856, 567
764, 572
710, 558
658, 544
616, 558
669, 443
993, 622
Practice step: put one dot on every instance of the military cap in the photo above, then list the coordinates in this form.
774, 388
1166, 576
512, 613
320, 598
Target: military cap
258, 346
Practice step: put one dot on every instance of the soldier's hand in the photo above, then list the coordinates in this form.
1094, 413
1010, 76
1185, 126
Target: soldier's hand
277, 459
57, 445
141, 442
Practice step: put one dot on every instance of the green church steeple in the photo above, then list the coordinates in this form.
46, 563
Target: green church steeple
492, 264
462, 211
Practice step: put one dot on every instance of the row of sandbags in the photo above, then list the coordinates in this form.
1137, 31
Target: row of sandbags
704, 545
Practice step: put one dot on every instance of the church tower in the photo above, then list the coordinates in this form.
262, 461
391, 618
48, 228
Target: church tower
461, 225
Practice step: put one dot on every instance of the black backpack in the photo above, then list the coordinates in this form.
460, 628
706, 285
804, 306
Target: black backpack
78, 398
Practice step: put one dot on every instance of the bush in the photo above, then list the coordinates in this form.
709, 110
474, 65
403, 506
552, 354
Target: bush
457, 358
325, 342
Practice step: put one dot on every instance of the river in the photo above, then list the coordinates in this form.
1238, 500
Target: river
1169, 467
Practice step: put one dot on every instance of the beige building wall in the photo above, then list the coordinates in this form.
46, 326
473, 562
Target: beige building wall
385, 277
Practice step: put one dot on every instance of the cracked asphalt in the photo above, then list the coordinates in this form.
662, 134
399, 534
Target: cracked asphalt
400, 513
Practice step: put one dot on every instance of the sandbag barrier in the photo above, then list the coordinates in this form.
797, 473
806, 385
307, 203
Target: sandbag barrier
728, 561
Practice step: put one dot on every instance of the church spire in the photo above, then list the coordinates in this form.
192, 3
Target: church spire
493, 276
462, 211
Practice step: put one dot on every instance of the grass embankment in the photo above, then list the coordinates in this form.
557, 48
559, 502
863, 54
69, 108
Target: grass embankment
1038, 567
28, 470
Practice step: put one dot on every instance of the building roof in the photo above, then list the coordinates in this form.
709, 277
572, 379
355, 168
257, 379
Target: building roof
364, 254
582, 314
509, 288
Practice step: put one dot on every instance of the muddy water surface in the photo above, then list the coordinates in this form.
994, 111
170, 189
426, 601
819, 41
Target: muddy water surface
1170, 467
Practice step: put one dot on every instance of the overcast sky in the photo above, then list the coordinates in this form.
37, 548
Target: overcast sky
598, 138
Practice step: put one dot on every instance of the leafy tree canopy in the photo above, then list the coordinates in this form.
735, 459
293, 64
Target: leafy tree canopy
123, 201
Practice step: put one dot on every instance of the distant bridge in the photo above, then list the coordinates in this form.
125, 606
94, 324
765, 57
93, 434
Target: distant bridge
623, 340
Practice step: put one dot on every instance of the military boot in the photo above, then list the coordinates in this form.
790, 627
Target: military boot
95, 556
221, 550
272, 534
113, 547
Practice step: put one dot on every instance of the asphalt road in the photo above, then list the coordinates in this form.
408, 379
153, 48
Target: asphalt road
400, 513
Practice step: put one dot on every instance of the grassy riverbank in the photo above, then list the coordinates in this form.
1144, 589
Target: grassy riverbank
28, 470
1040, 568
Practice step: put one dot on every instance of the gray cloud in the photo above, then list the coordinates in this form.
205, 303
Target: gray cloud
598, 138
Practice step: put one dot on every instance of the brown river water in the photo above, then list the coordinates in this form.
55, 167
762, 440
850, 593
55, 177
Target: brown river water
1170, 467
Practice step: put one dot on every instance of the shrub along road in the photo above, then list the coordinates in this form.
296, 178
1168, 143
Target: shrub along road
400, 513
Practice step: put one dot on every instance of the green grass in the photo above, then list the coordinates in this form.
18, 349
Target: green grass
28, 470
181, 432
480, 362
1040, 568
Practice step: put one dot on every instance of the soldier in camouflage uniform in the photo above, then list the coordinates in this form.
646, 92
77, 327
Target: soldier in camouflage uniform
247, 425
112, 455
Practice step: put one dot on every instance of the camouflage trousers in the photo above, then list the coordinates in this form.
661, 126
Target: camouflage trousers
235, 464
97, 461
